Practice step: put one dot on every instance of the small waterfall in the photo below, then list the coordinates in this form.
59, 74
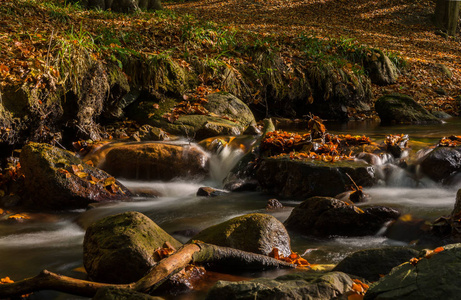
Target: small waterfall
222, 162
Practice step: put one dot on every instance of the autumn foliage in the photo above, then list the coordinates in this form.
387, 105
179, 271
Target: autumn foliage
358, 290
451, 141
316, 144
427, 254
293, 258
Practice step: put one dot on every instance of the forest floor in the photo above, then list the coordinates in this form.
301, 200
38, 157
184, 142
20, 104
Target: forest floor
400, 26
37, 38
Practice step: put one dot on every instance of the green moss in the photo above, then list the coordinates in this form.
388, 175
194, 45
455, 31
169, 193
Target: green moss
257, 233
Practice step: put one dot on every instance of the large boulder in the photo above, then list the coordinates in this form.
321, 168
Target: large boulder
153, 161
441, 163
119, 248
227, 115
371, 264
436, 276
124, 6
402, 109
302, 285
300, 179
257, 233
56, 179
323, 216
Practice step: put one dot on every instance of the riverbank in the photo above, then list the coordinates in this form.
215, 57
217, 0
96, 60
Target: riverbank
66, 71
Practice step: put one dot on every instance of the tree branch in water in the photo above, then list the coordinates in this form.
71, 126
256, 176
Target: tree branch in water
222, 257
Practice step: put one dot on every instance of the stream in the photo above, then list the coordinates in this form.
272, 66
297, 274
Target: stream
54, 241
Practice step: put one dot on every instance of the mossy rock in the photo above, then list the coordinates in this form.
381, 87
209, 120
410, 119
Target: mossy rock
437, 277
300, 179
15, 101
192, 126
119, 248
51, 183
158, 74
380, 68
227, 105
302, 285
371, 264
333, 91
257, 233
402, 109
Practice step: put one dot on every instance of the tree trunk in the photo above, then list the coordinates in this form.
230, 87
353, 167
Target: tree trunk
201, 252
447, 15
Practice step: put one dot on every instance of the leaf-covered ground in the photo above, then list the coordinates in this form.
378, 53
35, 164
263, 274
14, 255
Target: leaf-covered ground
400, 26
44, 43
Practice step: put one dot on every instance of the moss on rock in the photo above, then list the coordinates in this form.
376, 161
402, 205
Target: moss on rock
257, 233
402, 109
119, 248
51, 183
302, 285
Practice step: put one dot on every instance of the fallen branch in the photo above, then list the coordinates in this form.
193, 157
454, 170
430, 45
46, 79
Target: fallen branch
233, 260
223, 257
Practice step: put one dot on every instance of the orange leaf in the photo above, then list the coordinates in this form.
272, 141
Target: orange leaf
6, 280
4, 68
357, 288
438, 249
19, 217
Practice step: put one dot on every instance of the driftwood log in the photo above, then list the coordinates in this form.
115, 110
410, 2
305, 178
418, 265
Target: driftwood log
221, 257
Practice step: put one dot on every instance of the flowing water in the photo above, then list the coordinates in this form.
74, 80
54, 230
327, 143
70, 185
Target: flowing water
54, 241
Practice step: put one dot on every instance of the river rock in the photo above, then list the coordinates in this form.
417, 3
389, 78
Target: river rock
124, 6
257, 233
119, 248
436, 277
273, 204
441, 163
302, 285
402, 109
56, 179
207, 191
408, 229
323, 216
155, 161
113, 293
300, 179
371, 264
